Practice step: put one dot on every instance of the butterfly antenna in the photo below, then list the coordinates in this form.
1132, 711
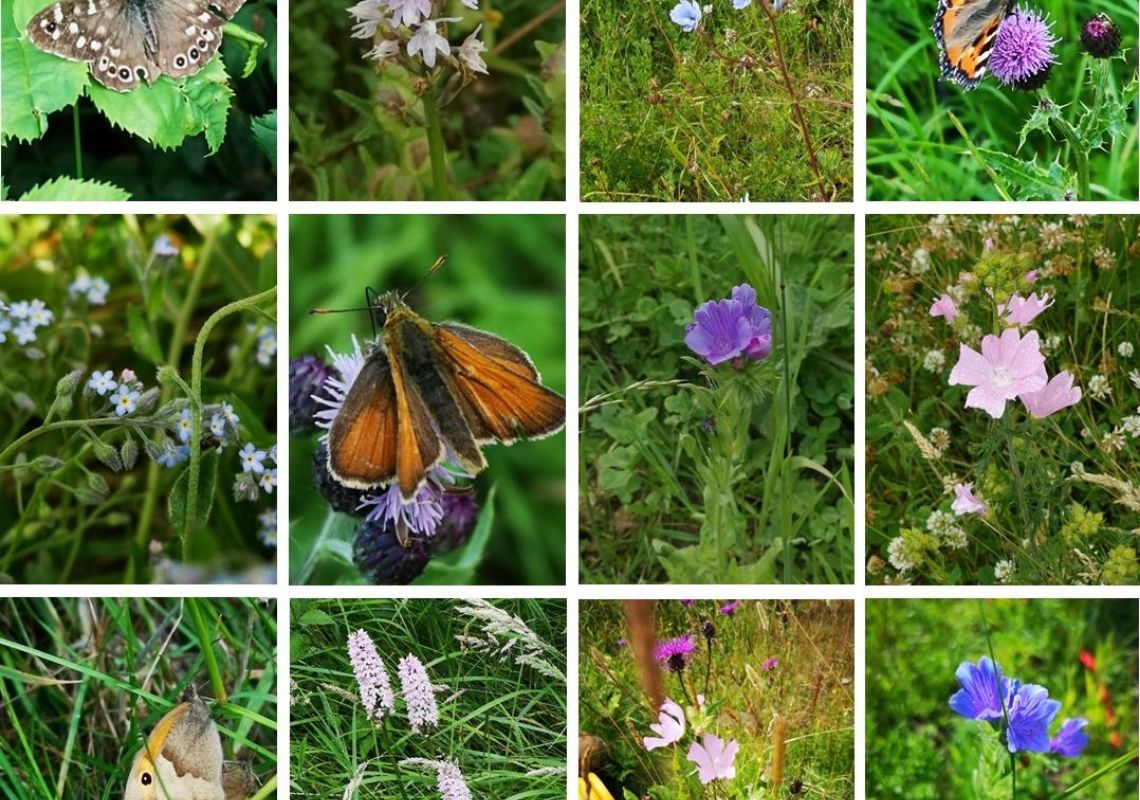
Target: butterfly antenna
439, 262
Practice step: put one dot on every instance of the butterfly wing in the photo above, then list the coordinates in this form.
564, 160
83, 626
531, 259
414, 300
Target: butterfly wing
500, 391
966, 31
189, 32
418, 447
365, 433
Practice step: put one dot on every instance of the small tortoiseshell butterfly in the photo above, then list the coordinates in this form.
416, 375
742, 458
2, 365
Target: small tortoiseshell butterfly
966, 31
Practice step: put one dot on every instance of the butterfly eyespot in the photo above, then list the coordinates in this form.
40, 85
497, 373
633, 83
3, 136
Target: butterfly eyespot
194, 54
124, 74
145, 779
201, 44
179, 62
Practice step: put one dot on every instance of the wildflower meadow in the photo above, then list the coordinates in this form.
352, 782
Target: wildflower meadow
1003, 399
88, 680
137, 400
717, 388
504, 275
428, 100
714, 698
178, 118
723, 101
428, 698
1049, 113
1001, 699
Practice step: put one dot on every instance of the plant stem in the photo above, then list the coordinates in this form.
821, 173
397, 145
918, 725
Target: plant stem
206, 646
785, 469
1075, 144
173, 354
78, 141
792, 96
436, 149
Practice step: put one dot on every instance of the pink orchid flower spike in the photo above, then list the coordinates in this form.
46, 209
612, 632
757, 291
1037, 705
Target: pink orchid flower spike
1059, 393
1007, 367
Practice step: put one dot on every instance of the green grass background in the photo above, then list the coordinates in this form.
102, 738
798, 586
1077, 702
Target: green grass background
498, 720
811, 688
505, 275
919, 749
736, 125
83, 681
914, 152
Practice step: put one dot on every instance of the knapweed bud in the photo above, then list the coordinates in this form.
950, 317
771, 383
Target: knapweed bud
1100, 37
306, 375
709, 631
339, 496
381, 558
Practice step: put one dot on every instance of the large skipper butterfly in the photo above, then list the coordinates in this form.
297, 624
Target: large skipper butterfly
433, 391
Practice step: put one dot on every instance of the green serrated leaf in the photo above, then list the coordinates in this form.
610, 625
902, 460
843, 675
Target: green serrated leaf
35, 84
207, 480
141, 336
264, 130
73, 189
1028, 179
170, 111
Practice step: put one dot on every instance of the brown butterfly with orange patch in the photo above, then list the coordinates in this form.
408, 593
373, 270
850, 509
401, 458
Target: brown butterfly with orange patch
429, 392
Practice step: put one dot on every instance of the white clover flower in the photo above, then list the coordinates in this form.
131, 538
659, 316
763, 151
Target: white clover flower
920, 261
1003, 571
896, 554
1131, 425
1134, 377
940, 523
940, 438
1099, 387
934, 361
1104, 258
1125, 349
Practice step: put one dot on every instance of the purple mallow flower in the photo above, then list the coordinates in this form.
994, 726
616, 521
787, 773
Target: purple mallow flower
768, 664
726, 329
670, 726
1071, 739
1023, 51
713, 757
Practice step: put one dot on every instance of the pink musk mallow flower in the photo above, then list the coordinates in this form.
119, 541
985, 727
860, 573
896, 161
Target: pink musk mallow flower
669, 728
713, 757
1008, 366
1023, 310
945, 307
965, 501
1058, 393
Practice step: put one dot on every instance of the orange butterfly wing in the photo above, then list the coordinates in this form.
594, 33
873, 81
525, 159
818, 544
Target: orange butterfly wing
363, 439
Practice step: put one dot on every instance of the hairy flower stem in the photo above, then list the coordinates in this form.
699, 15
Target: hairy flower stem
792, 95
1001, 695
173, 356
436, 149
1075, 145
708, 666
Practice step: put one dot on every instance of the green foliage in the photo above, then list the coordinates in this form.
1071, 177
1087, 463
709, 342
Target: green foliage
84, 681
685, 470
504, 275
810, 689
500, 718
706, 116
71, 189
931, 140
917, 747
1061, 491
359, 131
139, 139
96, 511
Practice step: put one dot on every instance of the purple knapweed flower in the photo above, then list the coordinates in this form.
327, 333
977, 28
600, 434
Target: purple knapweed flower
728, 609
768, 664
687, 603
371, 677
675, 653
1023, 51
419, 694
1071, 739
982, 687
1030, 714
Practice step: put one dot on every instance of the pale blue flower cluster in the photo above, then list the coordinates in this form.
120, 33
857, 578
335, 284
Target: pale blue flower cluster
687, 13
23, 318
94, 289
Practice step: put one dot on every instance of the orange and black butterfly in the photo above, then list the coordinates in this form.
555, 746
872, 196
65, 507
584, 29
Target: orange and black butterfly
430, 391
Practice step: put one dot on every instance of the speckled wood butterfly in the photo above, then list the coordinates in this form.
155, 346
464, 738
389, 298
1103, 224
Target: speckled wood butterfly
123, 41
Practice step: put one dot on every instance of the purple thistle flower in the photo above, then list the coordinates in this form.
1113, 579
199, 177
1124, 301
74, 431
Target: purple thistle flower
1100, 37
448, 779
307, 375
1030, 714
675, 653
1071, 739
419, 694
981, 694
728, 609
1023, 51
371, 677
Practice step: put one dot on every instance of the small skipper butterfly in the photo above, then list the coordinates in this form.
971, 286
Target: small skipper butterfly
430, 391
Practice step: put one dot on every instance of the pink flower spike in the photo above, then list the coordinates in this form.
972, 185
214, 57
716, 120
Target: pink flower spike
1021, 310
1030, 277
1059, 393
1007, 367
944, 307
965, 501
713, 758
670, 727
988, 245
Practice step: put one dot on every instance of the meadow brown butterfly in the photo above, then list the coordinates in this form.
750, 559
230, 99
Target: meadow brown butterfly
433, 391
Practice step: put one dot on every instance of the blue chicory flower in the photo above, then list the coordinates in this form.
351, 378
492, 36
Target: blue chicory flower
687, 14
